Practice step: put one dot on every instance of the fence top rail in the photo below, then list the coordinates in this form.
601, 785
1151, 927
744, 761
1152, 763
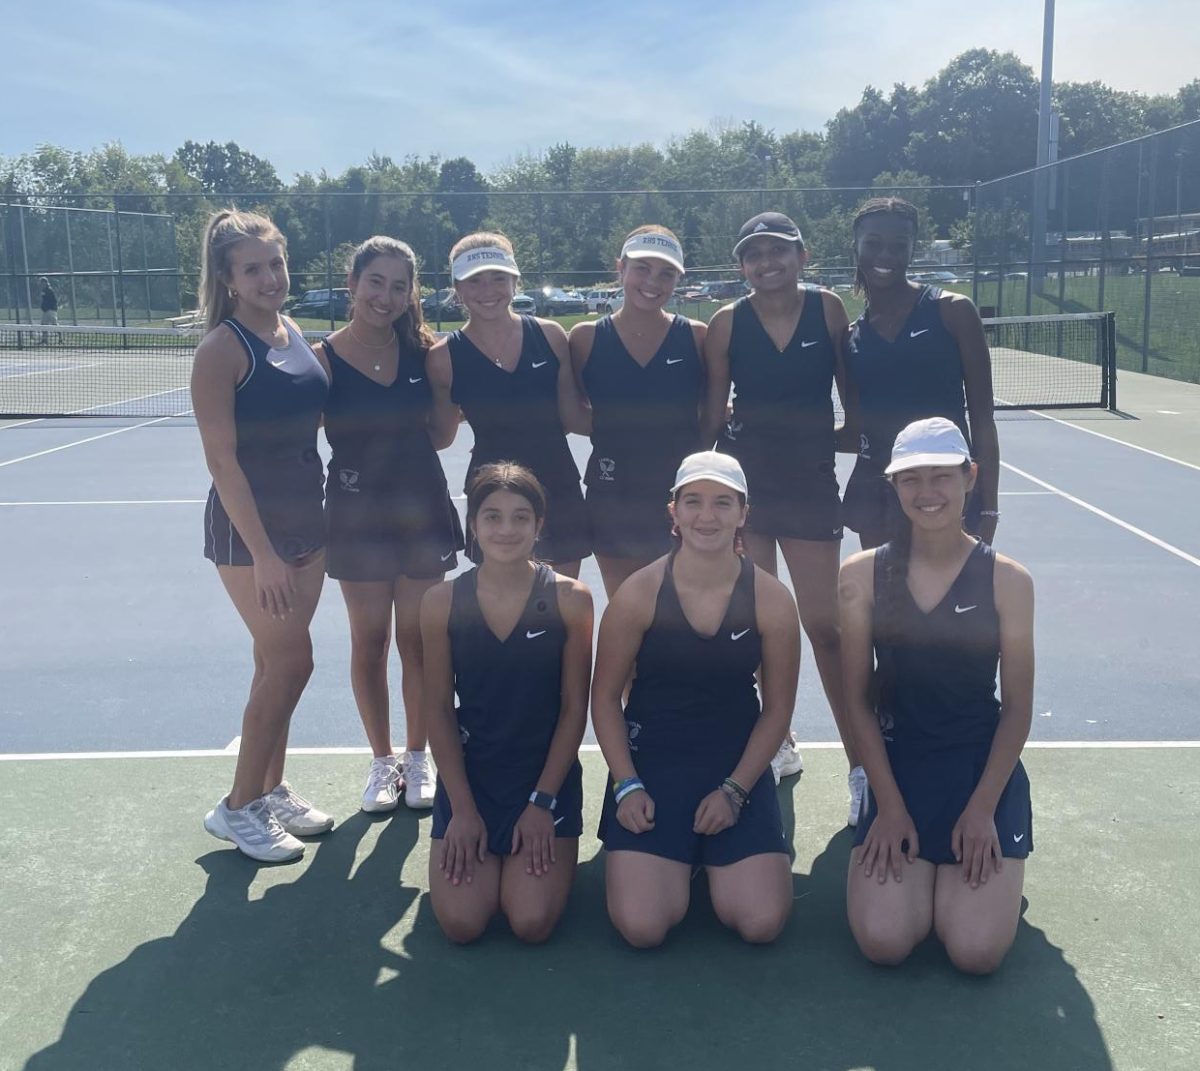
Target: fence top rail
1052, 318
1193, 124
756, 190
37, 204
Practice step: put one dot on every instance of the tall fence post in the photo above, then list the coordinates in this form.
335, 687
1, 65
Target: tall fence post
975, 246
146, 268
120, 264
329, 260
1147, 298
25, 263
71, 269
541, 222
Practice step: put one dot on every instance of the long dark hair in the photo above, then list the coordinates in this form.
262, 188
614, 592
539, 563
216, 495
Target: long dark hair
504, 476
413, 331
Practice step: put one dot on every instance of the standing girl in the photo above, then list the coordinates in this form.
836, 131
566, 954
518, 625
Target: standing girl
393, 530
642, 371
258, 391
511, 375
782, 348
514, 640
916, 351
926, 618
690, 753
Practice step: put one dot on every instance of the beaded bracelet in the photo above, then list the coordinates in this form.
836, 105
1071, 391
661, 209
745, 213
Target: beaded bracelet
989, 513
621, 789
742, 795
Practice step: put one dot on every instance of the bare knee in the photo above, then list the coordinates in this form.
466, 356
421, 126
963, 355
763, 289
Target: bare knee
641, 929
823, 633
758, 925
887, 946
369, 647
975, 954
462, 927
532, 925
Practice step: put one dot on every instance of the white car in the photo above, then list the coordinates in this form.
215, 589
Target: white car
597, 299
615, 299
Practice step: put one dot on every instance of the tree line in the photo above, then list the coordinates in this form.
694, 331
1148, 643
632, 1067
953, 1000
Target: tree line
564, 208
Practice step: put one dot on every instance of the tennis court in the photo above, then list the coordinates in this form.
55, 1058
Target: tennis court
130, 938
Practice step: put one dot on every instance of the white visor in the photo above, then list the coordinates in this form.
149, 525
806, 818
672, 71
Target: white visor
650, 244
486, 258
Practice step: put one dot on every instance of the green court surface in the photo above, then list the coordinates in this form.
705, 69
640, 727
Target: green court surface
129, 939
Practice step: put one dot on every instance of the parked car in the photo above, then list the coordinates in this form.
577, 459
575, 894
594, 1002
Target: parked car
552, 301
322, 304
596, 298
934, 277
524, 305
614, 301
723, 290
445, 307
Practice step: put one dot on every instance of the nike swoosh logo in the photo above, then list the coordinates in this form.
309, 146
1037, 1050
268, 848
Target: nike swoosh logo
557, 820
277, 364
914, 334
738, 635
963, 609
417, 380
674, 360
538, 364
805, 345
448, 556
1018, 837
534, 635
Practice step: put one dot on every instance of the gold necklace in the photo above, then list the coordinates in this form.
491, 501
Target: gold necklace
373, 345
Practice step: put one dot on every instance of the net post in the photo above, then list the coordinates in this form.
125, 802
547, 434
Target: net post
1110, 339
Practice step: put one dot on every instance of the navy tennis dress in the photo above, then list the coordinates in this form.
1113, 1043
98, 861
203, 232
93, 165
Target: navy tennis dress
509, 701
690, 714
937, 704
276, 411
388, 510
917, 375
781, 429
645, 420
514, 417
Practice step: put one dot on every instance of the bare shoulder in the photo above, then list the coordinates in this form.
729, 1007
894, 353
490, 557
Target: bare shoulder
957, 308
856, 578
582, 334
221, 351
574, 596
435, 603
722, 317
552, 329
775, 603
1012, 578
639, 592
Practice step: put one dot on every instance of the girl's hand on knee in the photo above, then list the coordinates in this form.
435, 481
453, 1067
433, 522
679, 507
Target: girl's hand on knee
534, 835
976, 845
715, 813
463, 845
636, 811
891, 840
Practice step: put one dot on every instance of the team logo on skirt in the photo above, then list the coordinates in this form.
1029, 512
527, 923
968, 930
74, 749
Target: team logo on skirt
607, 467
634, 729
732, 429
348, 478
464, 734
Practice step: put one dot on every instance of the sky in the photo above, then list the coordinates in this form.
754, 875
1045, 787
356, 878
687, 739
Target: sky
320, 86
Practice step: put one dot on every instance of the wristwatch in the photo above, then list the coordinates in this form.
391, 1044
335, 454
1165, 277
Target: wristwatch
543, 800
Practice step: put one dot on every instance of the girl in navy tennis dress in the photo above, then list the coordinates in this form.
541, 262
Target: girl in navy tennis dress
642, 371
258, 391
690, 753
393, 530
511, 376
513, 639
781, 348
926, 620
916, 351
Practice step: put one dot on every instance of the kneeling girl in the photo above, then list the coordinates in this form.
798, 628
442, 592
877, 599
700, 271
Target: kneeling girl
513, 639
690, 754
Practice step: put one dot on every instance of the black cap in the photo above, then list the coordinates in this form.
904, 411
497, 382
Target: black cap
772, 224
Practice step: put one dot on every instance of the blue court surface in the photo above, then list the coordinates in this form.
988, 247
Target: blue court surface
125, 668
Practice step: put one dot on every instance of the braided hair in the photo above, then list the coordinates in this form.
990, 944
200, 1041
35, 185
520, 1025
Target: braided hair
895, 206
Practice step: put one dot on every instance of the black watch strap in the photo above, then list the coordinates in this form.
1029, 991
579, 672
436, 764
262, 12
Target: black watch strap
543, 800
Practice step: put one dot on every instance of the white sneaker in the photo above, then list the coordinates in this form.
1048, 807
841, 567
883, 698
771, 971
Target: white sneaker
299, 817
857, 780
787, 760
383, 785
419, 784
254, 830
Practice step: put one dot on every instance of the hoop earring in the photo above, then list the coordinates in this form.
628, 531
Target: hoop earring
233, 294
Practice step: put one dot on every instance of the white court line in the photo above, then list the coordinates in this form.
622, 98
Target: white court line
52, 371
1119, 442
90, 439
117, 502
104, 405
1026, 494
819, 745
1141, 532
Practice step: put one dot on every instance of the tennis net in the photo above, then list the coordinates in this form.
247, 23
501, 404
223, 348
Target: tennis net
1063, 361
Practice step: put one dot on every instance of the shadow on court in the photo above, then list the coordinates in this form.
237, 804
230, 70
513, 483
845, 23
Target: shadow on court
344, 966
